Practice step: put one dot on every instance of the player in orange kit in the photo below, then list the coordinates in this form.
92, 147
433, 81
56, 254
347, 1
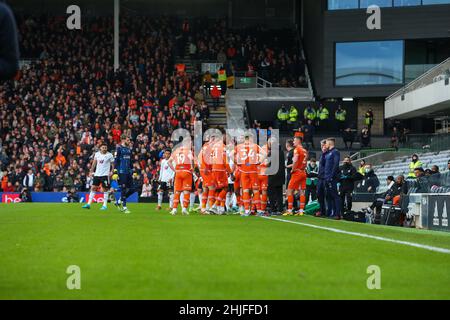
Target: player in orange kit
182, 162
205, 166
298, 177
220, 170
246, 159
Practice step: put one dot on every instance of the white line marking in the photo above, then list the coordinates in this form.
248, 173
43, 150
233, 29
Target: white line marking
406, 243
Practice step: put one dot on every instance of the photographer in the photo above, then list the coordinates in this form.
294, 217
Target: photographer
25, 195
72, 196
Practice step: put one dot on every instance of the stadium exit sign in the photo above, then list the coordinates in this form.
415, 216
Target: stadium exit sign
245, 80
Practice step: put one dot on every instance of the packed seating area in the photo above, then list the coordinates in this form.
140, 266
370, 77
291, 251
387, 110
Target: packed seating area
68, 100
400, 166
273, 54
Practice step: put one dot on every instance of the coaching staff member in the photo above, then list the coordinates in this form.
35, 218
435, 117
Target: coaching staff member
276, 181
331, 178
321, 180
9, 48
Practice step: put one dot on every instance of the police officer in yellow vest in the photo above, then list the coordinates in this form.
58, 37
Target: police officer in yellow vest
368, 119
222, 77
414, 164
309, 113
322, 116
293, 118
282, 118
341, 116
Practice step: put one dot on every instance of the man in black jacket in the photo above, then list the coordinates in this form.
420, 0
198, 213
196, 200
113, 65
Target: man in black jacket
9, 48
347, 184
276, 181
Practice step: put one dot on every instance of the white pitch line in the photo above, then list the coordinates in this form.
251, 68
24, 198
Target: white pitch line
406, 243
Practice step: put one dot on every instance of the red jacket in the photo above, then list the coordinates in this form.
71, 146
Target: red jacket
215, 92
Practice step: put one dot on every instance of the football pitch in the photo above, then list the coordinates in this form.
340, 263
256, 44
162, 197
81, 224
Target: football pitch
150, 254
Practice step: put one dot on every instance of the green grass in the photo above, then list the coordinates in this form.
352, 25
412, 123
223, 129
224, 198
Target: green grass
152, 255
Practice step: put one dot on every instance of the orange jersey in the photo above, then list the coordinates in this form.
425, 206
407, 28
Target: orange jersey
204, 158
264, 151
246, 157
302, 156
183, 159
219, 157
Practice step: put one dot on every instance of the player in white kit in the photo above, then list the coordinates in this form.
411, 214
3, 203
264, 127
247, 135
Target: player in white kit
103, 164
165, 180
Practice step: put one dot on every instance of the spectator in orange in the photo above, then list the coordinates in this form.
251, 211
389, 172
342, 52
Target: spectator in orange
132, 103
116, 133
60, 159
215, 94
4, 183
181, 69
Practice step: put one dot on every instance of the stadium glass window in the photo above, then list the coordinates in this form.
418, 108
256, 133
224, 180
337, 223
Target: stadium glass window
369, 63
380, 3
428, 2
342, 4
407, 3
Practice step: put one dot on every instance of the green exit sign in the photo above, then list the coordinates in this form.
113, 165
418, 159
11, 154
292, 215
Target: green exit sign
246, 80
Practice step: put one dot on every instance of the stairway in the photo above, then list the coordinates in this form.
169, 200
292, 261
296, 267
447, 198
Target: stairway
217, 118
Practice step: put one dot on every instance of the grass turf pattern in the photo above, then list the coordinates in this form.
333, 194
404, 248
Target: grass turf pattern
150, 254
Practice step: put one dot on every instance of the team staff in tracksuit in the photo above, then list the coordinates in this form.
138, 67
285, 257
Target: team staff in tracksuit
348, 175
321, 180
331, 178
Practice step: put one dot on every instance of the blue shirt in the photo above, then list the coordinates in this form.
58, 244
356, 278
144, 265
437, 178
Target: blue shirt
123, 160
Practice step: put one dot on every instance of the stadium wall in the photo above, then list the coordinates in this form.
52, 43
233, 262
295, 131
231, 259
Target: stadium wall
324, 28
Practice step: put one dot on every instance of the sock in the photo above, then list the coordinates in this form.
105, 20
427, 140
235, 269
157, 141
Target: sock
246, 201
124, 203
257, 200
221, 198
233, 200
105, 198
171, 199
239, 200
160, 198
191, 200
228, 200
264, 201
91, 197
290, 202
204, 199
302, 202
176, 200
211, 197
116, 199
186, 199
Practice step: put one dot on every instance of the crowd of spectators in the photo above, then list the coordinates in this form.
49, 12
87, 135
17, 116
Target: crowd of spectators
274, 55
68, 100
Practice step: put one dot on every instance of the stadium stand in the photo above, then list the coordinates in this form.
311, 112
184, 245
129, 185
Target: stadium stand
67, 99
399, 166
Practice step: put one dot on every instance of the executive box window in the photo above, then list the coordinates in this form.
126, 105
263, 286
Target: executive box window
362, 4
380, 3
343, 4
369, 63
